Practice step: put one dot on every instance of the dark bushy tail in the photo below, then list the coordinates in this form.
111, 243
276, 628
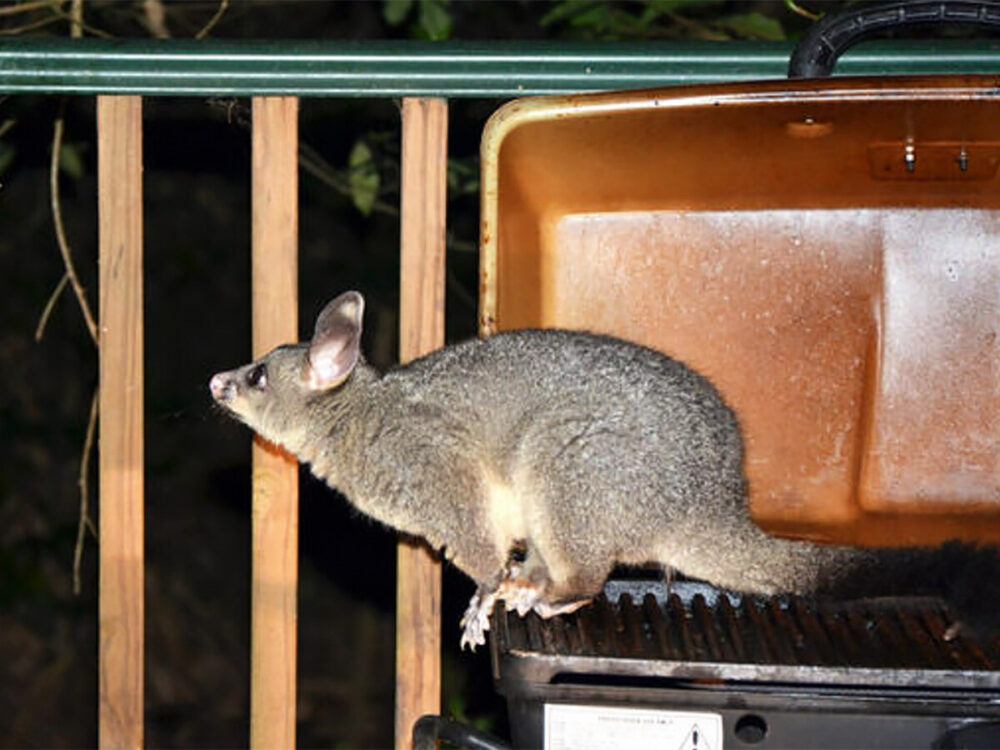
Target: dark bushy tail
965, 576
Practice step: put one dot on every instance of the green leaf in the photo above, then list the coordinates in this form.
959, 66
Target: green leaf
71, 160
395, 11
753, 26
596, 19
649, 15
434, 20
564, 11
364, 178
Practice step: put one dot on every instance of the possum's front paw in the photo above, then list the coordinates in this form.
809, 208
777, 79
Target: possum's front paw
476, 620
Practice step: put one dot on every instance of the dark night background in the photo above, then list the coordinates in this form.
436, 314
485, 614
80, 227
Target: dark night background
197, 235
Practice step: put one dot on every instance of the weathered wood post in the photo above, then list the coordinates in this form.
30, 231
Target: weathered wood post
421, 320
275, 473
119, 197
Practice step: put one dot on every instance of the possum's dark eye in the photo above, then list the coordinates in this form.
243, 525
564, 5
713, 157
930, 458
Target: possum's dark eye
257, 377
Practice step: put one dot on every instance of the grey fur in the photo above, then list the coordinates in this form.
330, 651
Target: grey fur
576, 450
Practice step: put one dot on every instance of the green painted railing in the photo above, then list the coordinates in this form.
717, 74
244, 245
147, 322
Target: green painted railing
456, 69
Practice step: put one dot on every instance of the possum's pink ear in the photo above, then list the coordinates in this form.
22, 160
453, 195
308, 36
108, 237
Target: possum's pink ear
336, 343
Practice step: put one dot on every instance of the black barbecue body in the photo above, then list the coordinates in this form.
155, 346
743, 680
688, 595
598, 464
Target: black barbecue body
781, 672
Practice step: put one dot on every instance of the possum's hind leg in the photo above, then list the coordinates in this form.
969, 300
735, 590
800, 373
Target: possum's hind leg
591, 503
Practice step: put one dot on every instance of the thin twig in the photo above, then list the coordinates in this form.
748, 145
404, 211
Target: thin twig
57, 139
6, 126
76, 24
318, 167
213, 22
28, 7
798, 9
43, 321
237, 113
156, 18
82, 482
92, 30
30, 26
84, 523
75, 19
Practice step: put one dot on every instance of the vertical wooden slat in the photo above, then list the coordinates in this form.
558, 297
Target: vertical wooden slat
421, 303
275, 473
119, 175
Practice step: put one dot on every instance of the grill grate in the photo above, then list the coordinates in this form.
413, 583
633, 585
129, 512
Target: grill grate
639, 628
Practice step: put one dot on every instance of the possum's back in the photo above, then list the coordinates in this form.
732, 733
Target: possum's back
550, 386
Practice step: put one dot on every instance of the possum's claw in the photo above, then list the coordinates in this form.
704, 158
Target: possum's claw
522, 585
954, 630
476, 620
546, 610
519, 595
525, 596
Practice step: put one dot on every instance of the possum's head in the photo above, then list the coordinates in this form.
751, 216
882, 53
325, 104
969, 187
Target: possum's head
274, 394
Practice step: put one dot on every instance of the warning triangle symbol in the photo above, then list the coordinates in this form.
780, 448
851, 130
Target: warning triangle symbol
696, 740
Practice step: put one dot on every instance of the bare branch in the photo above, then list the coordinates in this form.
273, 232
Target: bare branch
796, 8
311, 161
92, 30
76, 19
84, 522
214, 21
237, 113
28, 7
57, 139
156, 18
30, 26
50, 306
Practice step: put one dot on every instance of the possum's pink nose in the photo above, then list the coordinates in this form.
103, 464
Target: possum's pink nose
221, 386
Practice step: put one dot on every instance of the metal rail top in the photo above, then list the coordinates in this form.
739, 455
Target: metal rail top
453, 69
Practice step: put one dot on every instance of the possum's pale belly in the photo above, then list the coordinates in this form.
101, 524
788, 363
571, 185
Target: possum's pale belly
505, 511
518, 521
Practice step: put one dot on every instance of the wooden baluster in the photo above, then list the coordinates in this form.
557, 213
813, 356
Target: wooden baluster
275, 473
421, 303
119, 193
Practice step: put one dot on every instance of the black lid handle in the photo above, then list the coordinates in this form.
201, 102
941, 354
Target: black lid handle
817, 52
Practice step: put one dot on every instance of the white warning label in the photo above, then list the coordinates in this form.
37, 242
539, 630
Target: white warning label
569, 727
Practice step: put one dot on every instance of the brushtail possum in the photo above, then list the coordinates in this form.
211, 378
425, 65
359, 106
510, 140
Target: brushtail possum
539, 460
